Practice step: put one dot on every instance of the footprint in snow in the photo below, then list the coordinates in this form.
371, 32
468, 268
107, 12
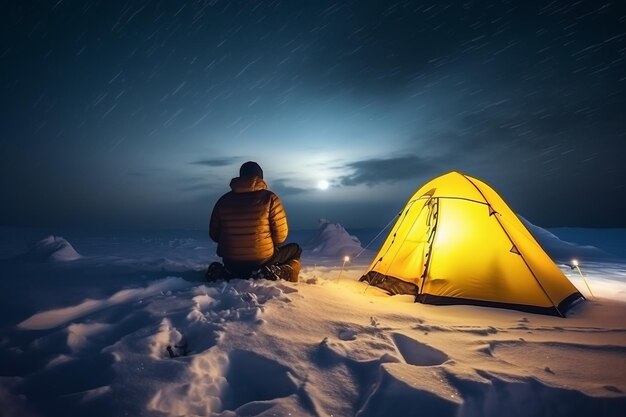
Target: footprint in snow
417, 353
253, 378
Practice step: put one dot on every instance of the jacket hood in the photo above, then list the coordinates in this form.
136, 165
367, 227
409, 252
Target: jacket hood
247, 184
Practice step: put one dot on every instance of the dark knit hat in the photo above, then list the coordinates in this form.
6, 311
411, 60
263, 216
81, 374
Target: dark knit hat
250, 169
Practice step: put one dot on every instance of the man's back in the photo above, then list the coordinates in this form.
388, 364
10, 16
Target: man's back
248, 222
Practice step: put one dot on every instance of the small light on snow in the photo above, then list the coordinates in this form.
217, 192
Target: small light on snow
575, 265
323, 185
345, 259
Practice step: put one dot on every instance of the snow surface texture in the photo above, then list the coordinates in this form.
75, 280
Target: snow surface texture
51, 248
333, 240
136, 340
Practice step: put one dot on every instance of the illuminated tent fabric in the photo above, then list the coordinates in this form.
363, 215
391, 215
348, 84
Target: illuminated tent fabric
457, 242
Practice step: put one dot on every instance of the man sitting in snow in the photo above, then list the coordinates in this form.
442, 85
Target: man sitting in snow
249, 224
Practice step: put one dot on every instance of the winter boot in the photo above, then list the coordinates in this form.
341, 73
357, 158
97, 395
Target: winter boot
293, 270
288, 272
215, 272
269, 272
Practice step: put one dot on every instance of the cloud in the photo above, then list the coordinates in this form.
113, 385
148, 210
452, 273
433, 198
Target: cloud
280, 187
377, 171
217, 162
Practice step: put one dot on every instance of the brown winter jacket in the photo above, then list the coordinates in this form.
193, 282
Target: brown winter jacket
248, 222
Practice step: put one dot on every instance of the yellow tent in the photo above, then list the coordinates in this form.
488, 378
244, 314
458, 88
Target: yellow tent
457, 242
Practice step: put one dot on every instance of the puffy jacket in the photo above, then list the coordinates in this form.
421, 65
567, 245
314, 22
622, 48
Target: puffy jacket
248, 222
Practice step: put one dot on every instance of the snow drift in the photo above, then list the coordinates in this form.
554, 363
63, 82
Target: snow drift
332, 239
51, 248
562, 250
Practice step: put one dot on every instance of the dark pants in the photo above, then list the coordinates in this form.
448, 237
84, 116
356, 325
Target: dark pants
282, 255
285, 253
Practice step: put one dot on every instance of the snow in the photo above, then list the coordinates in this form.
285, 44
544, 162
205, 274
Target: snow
333, 240
94, 338
57, 317
51, 248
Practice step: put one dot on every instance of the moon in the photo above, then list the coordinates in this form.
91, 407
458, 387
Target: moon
323, 185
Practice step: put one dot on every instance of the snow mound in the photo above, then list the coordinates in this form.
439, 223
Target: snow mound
332, 239
563, 250
51, 248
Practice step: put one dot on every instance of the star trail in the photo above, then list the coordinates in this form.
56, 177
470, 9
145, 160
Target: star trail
138, 113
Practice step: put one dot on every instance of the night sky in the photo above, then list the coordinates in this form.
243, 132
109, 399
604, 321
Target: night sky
136, 114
